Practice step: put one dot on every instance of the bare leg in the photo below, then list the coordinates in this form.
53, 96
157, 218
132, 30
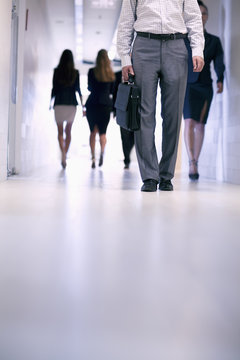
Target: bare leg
60, 136
92, 141
103, 141
189, 137
68, 136
199, 128
61, 144
198, 139
194, 135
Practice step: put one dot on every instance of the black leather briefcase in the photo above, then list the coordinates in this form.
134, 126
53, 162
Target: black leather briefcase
128, 105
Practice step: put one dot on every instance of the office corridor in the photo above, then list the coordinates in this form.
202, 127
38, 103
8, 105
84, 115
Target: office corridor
91, 268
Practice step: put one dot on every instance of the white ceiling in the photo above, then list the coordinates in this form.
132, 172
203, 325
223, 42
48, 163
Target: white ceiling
61, 16
99, 22
100, 18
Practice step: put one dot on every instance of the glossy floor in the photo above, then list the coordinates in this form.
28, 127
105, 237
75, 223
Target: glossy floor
93, 269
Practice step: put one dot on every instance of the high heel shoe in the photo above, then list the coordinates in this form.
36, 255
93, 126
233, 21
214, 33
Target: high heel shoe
93, 163
193, 176
64, 163
100, 160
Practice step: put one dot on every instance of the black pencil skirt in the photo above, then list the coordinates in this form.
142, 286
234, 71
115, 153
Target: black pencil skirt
98, 115
197, 102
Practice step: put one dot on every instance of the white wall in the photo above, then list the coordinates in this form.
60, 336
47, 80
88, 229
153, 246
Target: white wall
231, 149
220, 157
5, 35
50, 30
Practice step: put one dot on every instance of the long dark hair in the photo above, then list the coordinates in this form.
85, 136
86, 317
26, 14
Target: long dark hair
66, 72
201, 3
103, 70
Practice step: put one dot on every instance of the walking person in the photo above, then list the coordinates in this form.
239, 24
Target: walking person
127, 137
99, 104
199, 96
159, 56
65, 85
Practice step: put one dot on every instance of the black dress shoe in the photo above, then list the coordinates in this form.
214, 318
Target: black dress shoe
165, 185
149, 185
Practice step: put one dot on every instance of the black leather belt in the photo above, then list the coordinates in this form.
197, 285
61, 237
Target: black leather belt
162, 36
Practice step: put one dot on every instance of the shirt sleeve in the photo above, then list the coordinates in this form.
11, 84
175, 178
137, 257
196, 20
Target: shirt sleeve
193, 21
219, 62
125, 32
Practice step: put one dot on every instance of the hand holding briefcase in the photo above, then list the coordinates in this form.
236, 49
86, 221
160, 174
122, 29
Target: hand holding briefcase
128, 105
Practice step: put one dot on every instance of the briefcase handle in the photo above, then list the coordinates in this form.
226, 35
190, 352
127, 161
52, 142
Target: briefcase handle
131, 78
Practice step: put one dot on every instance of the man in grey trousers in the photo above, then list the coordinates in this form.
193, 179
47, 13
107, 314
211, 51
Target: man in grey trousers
159, 55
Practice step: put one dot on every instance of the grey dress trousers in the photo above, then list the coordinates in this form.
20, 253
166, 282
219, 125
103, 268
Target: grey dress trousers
161, 62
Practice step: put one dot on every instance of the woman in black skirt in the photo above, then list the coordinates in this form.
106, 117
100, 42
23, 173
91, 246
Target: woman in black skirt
65, 85
199, 94
99, 103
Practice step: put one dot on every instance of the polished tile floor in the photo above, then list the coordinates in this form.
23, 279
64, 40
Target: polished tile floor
93, 269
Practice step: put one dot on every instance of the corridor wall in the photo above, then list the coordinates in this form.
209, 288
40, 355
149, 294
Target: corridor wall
220, 157
5, 36
221, 152
231, 149
41, 41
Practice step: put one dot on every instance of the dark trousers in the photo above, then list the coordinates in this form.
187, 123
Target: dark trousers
127, 144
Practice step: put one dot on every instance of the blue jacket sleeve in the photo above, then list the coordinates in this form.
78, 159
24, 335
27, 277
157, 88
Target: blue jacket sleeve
219, 61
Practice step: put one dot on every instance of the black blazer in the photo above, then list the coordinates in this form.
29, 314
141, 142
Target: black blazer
65, 95
100, 91
213, 51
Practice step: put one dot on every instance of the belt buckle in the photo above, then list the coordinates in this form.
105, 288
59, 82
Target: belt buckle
172, 36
